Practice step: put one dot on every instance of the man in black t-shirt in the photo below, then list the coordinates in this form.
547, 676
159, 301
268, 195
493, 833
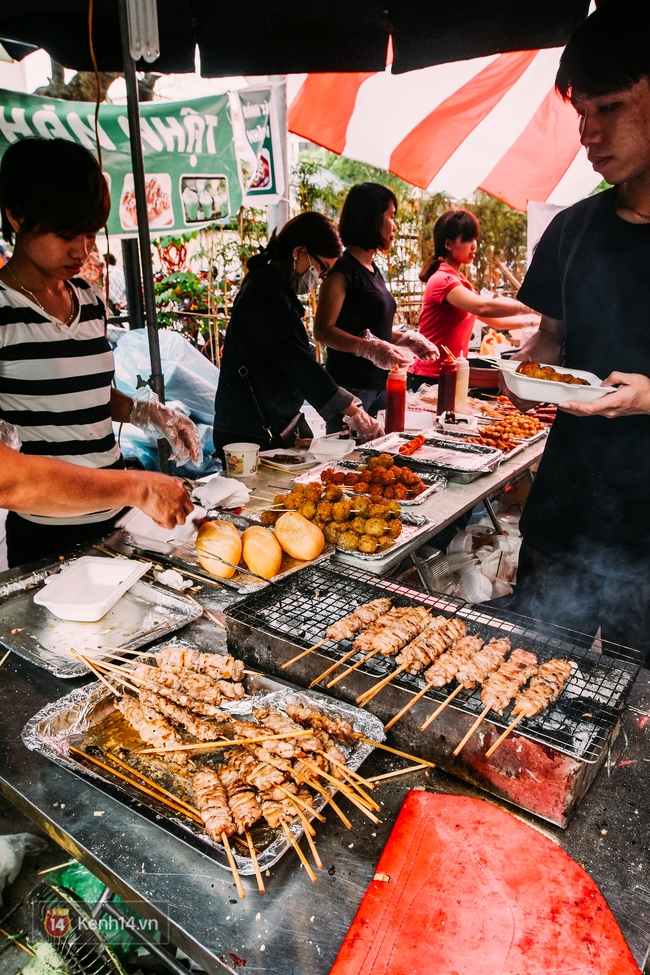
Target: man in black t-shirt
585, 559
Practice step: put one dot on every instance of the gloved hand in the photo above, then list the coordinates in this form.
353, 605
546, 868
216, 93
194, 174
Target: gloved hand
157, 421
382, 354
423, 348
363, 426
9, 435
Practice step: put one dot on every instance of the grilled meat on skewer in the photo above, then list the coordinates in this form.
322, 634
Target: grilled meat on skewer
212, 803
346, 628
439, 635
197, 726
364, 641
241, 798
253, 771
445, 668
476, 669
185, 701
280, 724
544, 688
501, 686
275, 809
215, 665
152, 727
390, 639
199, 686
336, 727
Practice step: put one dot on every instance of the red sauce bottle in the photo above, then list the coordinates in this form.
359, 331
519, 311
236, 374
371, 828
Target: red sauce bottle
447, 385
395, 400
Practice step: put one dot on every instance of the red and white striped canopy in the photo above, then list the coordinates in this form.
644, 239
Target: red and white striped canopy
493, 123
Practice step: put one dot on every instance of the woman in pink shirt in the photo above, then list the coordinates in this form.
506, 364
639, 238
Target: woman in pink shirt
450, 305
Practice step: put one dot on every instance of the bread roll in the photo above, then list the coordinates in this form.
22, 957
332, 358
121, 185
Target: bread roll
299, 537
261, 551
218, 538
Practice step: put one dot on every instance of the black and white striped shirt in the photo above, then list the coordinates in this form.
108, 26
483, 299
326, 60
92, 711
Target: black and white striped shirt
55, 384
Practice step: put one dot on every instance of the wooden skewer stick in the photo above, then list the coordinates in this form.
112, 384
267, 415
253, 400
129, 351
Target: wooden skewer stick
331, 669
363, 699
296, 846
399, 771
396, 751
4, 658
459, 747
353, 783
19, 944
224, 743
206, 612
342, 787
346, 768
233, 866
174, 806
313, 784
310, 832
304, 653
97, 674
349, 670
301, 802
154, 785
432, 717
505, 734
256, 866
407, 707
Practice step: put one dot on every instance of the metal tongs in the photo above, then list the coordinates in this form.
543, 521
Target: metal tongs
199, 548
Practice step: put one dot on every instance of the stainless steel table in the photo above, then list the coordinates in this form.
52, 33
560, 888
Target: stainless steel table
297, 927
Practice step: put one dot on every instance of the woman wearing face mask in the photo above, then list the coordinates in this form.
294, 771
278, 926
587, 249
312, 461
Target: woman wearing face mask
268, 368
450, 305
355, 309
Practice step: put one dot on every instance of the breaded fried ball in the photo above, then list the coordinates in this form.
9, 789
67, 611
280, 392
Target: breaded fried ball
333, 493
395, 527
401, 492
418, 487
293, 500
327, 475
368, 544
324, 510
373, 463
377, 476
378, 510
376, 491
314, 491
341, 509
385, 460
340, 526
308, 510
339, 477
319, 523
348, 541
300, 488
376, 527
390, 476
269, 518
331, 534
351, 479
393, 508
361, 487
385, 542
389, 491
279, 499
358, 526
362, 506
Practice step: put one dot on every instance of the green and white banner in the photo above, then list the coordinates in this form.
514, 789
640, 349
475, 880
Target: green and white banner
193, 175
263, 181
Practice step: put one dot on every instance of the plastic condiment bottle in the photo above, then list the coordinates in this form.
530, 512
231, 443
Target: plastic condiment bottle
462, 384
447, 386
395, 400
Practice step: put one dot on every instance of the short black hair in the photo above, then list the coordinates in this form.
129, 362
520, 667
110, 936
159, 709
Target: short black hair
310, 230
52, 186
609, 52
363, 213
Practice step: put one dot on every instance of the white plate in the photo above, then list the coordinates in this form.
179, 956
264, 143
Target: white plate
308, 459
548, 391
87, 589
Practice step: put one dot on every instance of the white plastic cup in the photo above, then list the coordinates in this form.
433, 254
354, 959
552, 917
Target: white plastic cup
241, 459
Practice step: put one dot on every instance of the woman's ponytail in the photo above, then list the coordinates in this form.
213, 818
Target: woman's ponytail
450, 226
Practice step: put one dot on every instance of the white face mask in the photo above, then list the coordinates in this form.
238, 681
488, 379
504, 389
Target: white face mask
302, 284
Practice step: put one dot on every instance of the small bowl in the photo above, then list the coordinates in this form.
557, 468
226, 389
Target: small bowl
325, 449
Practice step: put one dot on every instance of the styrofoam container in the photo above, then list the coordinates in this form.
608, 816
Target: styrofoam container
548, 391
331, 448
88, 588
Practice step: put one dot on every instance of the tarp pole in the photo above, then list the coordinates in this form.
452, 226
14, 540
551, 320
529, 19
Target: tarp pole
157, 379
133, 282
279, 212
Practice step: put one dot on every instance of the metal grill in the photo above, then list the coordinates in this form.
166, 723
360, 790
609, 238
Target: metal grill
579, 723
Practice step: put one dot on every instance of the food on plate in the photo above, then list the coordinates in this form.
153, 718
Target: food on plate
412, 445
299, 537
261, 551
536, 371
218, 538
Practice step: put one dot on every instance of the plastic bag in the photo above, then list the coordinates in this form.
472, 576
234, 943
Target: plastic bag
12, 850
9, 435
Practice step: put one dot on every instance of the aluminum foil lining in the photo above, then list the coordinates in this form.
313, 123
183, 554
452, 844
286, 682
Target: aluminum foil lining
440, 452
63, 723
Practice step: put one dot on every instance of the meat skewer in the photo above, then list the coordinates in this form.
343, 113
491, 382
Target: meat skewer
545, 687
152, 727
501, 686
445, 668
363, 643
346, 628
212, 802
216, 665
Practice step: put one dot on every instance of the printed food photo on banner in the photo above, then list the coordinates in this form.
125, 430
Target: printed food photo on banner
159, 202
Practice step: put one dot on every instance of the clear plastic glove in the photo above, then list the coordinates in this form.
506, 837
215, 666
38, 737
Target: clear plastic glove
363, 426
382, 354
157, 421
9, 435
423, 348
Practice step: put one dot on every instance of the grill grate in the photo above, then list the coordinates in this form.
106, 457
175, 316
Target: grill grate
579, 723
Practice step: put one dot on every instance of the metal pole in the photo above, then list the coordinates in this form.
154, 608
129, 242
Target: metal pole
137, 159
133, 282
279, 212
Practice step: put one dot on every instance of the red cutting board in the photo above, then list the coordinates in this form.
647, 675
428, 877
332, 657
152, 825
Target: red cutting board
473, 891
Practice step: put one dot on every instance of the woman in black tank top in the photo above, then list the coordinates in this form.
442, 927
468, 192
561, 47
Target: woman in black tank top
355, 311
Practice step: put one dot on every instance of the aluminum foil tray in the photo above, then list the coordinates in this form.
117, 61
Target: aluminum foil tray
434, 482
413, 527
521, 445
143, 614
66, 721
448, 456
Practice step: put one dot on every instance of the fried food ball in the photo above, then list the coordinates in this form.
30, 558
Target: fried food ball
331, 533
348, 541
361, 487
324, 510
376, 527
367, 544
340, 526
393, 508
378, 510
389, 492
319, 523
401, 492
333, 493
269, 518
279, 499
314, 491
390, 476
418, 487
308, 510
377, 476
293, 500
395, 527
341, 509
300, 488
351, 479
358, 525
385, 460
327, 475
362, 506
339, 477
373, 463
376, 491
385, 542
